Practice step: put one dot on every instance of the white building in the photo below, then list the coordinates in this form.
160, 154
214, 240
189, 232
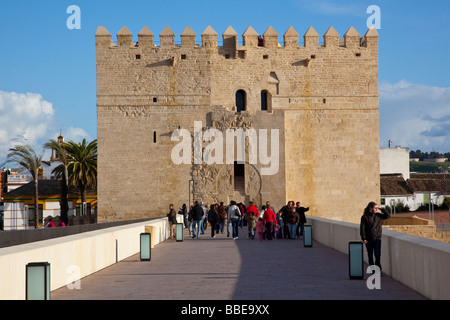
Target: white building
395, 160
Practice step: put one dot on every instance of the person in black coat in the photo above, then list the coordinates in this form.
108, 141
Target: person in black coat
213, 218
371, 231
197, 216
301, 213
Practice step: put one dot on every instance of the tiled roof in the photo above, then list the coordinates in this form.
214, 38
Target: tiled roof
431, 185
432, 182
45, 188
394, 184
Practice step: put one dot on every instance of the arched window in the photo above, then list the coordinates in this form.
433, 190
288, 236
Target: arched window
241, 100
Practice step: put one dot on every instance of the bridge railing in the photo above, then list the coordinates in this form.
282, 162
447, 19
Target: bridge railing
419, 263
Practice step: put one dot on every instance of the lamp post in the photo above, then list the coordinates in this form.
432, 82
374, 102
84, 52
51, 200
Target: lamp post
191, 187
179, 232
307, 235
37, 279
145, 246
355, 260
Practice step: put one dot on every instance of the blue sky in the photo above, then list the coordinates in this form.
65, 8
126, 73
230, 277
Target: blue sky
47, 71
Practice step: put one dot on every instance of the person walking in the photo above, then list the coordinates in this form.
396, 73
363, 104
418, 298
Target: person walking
234, 215
213, 218
172, 216
269, 221
204, 222
190, 220
286, 210
252, 216
302, 219
260, 229
197, 216
280, 225
292, 220
371, 231
183, 211
222, 217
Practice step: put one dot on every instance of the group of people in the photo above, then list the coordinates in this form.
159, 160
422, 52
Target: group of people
288, 223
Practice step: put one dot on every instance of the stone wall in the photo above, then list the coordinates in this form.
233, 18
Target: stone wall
321, 100
411, 225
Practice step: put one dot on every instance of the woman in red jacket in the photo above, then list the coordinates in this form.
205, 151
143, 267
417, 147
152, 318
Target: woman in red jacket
269, 220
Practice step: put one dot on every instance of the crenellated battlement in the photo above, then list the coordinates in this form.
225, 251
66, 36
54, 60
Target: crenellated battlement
230, 39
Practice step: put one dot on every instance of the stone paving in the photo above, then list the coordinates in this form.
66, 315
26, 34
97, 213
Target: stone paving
221, 268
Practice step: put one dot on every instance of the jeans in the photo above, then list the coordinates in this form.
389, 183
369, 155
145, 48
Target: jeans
292, 230
374, 247
220, 226
300, 228
194, 224
235, 225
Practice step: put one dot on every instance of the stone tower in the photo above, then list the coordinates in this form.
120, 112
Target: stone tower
312, 107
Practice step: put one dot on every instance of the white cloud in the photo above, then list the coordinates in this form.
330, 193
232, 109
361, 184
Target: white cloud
74, 134
415, 116
29, 118
23, 118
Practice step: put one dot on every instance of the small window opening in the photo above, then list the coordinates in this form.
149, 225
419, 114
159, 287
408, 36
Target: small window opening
313, 56
324, 100
358, 54
138, 57
154, 136
266, 56
155, 99
183, 57
241, 100
264, 100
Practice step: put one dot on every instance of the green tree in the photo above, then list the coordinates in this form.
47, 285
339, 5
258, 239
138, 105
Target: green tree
62, 173
82, 165
25, 156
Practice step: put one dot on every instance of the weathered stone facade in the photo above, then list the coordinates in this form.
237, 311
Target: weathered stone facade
321, 99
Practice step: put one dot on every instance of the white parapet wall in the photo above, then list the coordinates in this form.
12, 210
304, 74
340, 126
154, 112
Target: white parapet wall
73, 257
419, 263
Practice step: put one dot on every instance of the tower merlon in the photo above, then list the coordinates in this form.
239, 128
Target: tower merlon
145, 38
290, 37
331, 38
125, 38
270, 38
103, 37
352, 38
311, 38
209, 38
188, 38
167, 38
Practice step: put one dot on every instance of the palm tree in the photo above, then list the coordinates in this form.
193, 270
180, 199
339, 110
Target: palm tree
25, 156
82, 165
61, 172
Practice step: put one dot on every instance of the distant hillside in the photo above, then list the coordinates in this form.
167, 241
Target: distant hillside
429, 167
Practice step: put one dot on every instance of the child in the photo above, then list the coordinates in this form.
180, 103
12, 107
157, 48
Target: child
279, 225
260, 228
